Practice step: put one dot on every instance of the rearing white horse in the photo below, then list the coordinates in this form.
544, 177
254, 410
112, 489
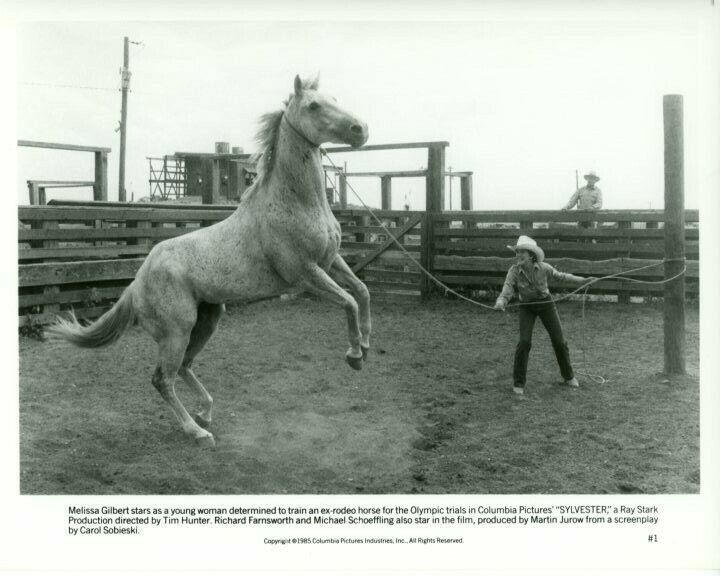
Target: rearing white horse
282, 236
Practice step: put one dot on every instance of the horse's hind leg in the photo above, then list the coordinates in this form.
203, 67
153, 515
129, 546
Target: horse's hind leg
207, 319
172, 350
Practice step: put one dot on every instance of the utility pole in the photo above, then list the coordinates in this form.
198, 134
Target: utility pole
125, 78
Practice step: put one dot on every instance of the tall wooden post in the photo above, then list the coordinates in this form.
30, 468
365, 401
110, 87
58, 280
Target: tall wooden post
233, 185
343, 190
466, 193
100, 187
623, 296
386, 192
211, 181
674, 295
434, 202
33, 193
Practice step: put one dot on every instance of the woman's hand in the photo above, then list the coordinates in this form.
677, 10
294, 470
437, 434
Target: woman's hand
499, 306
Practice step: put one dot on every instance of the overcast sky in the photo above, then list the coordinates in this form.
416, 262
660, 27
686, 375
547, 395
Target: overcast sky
523, 101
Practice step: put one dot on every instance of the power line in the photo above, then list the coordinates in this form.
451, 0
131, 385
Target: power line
70, 86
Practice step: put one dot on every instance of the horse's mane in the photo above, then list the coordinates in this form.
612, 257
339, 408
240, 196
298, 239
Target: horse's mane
267, 137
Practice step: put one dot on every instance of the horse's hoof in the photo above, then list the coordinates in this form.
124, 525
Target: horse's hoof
365, 351
206, 441
202, 422
355, 363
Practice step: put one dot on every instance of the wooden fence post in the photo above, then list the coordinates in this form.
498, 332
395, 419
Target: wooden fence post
100, 188
211, 181
466, 193
33, 193
425, 254
674, 295
623, 296
343, 190
386, 192
50, 308
434, 202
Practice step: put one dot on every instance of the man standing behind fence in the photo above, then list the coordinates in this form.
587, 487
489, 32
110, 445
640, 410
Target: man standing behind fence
587, 198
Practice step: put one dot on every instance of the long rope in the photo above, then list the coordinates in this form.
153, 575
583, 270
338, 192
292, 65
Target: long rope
619, 275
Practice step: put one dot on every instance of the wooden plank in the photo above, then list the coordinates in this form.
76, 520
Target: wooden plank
62, 183
656, 244
374, 286
91, 294
212, 156
572, 265
83, 214
404, 174
354, 213
398, 146
57, 146
80, 252
389, 174
159, 205
397, 258
583, 252
96, 234
355, 229
53, 273
412, 222
394, 275
575, 233
561, 216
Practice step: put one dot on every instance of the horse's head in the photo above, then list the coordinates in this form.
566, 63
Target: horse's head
319, 118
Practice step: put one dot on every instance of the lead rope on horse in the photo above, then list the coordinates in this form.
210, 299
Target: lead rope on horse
619, 275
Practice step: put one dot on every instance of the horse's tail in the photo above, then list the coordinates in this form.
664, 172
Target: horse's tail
105, 330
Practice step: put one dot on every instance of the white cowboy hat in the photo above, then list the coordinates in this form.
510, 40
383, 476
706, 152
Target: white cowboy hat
591, 176
527, 243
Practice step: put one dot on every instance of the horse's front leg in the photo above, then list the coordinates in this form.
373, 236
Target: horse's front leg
343, 274
317, 281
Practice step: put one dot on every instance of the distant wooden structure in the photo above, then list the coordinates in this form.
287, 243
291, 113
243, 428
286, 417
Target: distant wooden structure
222, 176
37, 188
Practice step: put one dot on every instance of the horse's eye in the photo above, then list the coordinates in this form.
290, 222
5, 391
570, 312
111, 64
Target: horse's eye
314, 106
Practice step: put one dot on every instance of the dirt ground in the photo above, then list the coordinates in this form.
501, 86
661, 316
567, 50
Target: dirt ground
431, 412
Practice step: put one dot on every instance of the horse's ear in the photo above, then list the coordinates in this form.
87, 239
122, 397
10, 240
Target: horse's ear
298, 85
315, 82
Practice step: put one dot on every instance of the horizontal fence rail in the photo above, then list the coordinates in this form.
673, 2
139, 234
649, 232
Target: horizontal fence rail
81, 255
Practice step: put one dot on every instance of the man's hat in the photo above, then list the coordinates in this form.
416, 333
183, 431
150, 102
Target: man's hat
527, 243
591, 176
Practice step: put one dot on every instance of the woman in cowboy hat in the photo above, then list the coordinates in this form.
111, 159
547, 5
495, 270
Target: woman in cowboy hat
529, 277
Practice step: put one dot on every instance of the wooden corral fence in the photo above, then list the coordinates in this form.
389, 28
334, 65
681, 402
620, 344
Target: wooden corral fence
83, 254
99, 185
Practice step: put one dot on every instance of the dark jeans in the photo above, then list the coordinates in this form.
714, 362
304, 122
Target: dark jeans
547, 312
